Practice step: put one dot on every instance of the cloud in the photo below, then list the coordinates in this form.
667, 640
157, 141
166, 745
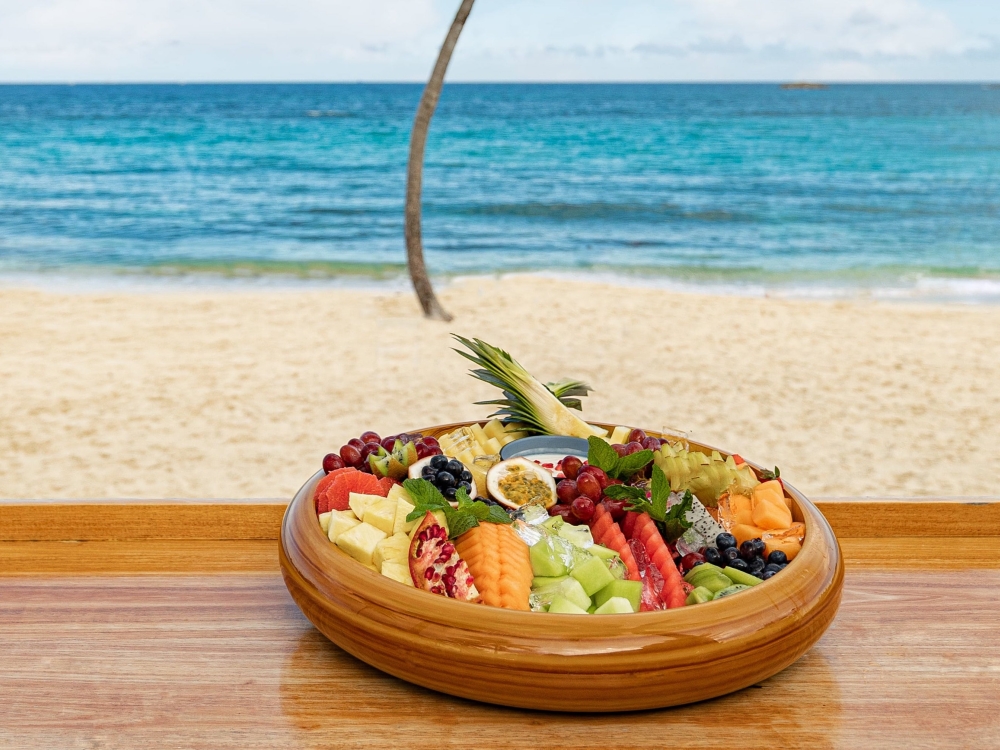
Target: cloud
504, 40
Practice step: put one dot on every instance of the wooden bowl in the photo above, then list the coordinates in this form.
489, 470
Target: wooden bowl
563, 662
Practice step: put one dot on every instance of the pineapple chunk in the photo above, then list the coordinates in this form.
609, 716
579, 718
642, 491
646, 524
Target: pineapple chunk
478, 433
324, 521
619, 435
466, 457
492, 447
494, 429
381, 515
479, 477
393, 548
340, 521
360, 542
397, 572
359, 502
403, 508
504, 439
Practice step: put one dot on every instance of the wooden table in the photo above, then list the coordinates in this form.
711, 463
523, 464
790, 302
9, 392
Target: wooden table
166, 624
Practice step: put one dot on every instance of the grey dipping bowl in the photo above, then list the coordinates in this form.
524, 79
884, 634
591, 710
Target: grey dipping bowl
541, 444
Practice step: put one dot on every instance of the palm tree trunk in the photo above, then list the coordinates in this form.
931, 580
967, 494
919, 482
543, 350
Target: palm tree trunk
415, 169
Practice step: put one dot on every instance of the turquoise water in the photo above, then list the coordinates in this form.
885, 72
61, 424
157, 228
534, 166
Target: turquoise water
882, 187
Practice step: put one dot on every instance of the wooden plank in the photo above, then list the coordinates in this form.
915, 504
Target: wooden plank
228, 661
260, 518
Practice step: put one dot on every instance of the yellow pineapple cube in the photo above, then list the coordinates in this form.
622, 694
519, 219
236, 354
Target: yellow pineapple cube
381, 514
619, 436
359, 502
360, 542
340, 521
403, 508
397, 572
477, 432
394, 548
492, 447
324, 522
494, 429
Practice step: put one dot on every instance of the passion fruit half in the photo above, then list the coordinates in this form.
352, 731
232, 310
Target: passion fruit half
518, 481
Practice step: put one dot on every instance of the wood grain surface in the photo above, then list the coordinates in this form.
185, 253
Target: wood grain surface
260, 518
228, 661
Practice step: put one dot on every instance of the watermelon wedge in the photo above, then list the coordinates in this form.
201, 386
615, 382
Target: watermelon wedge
614, 539
601, 522
652, 580
673, 590
628, 523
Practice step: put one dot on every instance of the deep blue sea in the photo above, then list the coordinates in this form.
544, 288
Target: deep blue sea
893, 189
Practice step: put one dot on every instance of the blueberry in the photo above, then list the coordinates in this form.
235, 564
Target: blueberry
439, 462
747, 550
777, 557
466, 486
757, 565
445, 479
729, 554
455, 467
712, 555
768, 574
740, 564
771, 567
449, 493
758, 546
725, 541
783, 566
465, 476
428, 472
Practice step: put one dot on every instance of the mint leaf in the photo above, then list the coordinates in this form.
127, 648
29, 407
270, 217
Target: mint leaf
425, 494
496, 514
660, 491
459, 523
624, 492
675, 521
468, 514
603, 456
629, 465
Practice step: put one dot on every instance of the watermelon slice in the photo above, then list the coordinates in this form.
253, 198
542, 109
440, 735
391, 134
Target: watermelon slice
601, 521
628, 523
340, 490
322, 505
652, 579
673, 591
614, 539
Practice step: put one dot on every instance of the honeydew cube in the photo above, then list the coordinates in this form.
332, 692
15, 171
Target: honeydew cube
593, 574
340, 521
397, 572
358, 502
324, 521
562, 606
478, 433
360, 542
492, 446
619, 436
381, 514
391, 549
494, 428
616, 605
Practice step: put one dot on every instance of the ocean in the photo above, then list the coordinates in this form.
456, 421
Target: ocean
891, 191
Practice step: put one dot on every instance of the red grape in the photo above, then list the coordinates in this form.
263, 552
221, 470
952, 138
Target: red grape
566, 490
351, 455
689, 560
651, 444
571, 466
636, 436
616, 508
589, 486
565, 511
370, 437
359, 444
632, 448
620, 449
583, 508
423, 450
389, 442
368, 450
331, 462
431, 441
598, 474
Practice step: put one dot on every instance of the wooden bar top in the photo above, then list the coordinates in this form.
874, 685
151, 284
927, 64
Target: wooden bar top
112, 638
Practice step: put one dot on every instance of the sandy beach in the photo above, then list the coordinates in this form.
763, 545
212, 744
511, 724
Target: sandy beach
239, 393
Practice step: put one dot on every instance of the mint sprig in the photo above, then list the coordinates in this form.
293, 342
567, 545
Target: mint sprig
673, 523
426, 497
604, 457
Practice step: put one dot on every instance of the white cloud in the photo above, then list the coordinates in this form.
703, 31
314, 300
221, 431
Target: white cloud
505, 39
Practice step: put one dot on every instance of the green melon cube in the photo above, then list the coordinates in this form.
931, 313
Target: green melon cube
593, 574
563, 606
616, 605
631, 590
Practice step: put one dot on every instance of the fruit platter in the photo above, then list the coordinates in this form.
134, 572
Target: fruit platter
536, 560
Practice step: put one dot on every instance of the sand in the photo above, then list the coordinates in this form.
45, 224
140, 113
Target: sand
240, 393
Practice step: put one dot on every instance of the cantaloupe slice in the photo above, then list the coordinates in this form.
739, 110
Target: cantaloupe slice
768, 514
772, 491
743, 531
740, 510
790, 547
787, 540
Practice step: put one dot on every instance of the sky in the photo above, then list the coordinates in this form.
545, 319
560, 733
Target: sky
504, 40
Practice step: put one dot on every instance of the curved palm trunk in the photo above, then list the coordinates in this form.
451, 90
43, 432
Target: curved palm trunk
415, 169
